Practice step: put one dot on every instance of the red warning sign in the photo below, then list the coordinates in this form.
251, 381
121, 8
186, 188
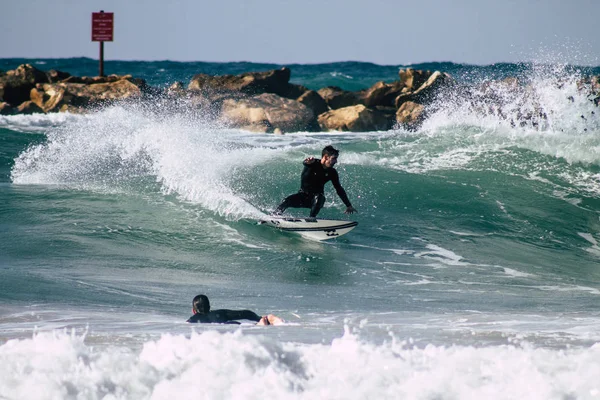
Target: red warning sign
102, 27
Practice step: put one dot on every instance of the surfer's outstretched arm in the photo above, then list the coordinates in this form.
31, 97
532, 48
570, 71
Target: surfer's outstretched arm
335, 181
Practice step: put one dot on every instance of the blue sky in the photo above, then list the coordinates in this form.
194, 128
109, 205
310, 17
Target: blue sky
381, 31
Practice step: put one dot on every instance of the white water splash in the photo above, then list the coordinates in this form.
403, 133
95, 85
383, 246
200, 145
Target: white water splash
234, 365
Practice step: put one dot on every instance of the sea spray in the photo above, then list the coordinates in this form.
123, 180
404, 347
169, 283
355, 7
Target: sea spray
237, 365
121, 146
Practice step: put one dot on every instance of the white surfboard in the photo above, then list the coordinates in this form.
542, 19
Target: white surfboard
311, 228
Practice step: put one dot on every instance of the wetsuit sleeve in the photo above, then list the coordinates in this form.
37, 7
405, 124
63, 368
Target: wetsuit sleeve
335, 181
225, 316
243, 314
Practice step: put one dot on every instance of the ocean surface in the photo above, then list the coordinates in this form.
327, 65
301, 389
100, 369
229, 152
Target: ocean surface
474, 272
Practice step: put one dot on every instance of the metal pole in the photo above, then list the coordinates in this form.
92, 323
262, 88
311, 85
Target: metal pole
101, 58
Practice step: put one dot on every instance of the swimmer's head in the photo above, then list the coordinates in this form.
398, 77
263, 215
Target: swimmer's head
200, 304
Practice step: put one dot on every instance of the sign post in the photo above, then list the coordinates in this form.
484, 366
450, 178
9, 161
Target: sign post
102, 31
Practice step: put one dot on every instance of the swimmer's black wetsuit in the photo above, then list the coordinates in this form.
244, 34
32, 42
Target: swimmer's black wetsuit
312, 185
224, 317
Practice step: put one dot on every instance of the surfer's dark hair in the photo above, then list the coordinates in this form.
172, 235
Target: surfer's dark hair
200, 304
330, 151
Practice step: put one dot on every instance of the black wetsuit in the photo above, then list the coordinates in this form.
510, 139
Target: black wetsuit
224, 317
312, 185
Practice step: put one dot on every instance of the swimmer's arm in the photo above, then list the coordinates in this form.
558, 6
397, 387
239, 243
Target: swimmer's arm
241, 314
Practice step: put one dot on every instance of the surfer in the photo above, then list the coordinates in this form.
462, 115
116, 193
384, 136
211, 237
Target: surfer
203, 314
314, 177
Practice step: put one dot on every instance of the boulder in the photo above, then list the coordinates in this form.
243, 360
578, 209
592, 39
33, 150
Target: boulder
71, 109
55, 76
16, 85
292, 91
388, 112
120, 89
314, 101
176, 89
266, 113
427, 91
412, 79
381, 94
37, 96
410, 115
52, 96
29, 74
356, 118
29, 107
250, 83
336, 97
48, 97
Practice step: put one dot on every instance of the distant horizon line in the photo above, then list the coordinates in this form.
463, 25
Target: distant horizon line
291, 63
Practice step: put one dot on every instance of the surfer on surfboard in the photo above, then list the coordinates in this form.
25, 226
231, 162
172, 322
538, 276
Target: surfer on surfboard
314, 177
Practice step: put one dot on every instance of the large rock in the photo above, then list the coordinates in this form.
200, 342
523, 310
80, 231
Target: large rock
176, 90
412, 79
29, 107
67, 108
381, 94
410, 115
356, 118
336, 97
48, 97
52, 96
427, 91
250, 83
55, 76
266, 113
314, 101
16, 85
291, 91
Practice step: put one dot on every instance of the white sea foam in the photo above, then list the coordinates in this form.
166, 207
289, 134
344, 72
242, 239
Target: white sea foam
516, 274
443, 255
213, 365
594, 249
37, 123
336, 74
568, 288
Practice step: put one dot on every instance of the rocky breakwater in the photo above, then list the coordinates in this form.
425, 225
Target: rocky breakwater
268, 102
255, 101
27, 90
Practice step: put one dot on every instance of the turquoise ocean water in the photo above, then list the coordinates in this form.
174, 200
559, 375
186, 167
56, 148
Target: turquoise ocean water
474, 271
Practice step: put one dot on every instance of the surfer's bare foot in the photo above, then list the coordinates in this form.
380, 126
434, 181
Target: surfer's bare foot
270, 320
